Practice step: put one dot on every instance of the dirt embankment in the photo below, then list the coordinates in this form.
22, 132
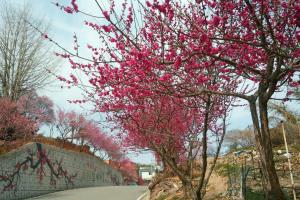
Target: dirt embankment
168, 186
225, 179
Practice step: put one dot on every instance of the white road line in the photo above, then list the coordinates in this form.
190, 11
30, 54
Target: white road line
142, 196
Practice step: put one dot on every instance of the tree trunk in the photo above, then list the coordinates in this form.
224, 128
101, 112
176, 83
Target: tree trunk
204, 150
264, 145
166, 168
189, 192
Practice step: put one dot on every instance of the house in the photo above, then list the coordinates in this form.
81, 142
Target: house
147, 172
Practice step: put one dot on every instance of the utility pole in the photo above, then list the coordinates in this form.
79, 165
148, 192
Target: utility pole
289, 161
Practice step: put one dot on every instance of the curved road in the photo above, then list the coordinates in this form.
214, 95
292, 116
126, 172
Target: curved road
97, 193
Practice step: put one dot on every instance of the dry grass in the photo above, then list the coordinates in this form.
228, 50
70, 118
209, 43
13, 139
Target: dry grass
9, 146
170, 187
218, 183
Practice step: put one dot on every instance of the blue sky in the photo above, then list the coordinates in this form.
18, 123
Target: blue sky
63, 27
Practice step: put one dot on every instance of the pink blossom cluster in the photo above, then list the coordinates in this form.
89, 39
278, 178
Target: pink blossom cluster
153, 76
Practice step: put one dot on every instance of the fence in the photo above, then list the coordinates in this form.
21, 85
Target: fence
245, 180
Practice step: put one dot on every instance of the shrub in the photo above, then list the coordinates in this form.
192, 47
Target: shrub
13, 124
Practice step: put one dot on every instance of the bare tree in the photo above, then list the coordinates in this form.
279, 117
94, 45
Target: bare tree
281, 112
290, 118
24, 55
240, 138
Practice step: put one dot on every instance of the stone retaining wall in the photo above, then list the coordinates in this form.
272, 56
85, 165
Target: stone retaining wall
37, 169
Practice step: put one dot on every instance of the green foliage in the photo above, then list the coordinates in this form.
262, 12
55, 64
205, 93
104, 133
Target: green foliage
176, 198
296, 147
249, 148
254, 195
227, 168
162, 197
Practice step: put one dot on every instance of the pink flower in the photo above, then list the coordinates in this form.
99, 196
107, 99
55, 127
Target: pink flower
148, 4
225, 77
112, 40
75, 6
177, 63
289, 93
68, 10
106, 28
106, 15
203, 38
216, 20
202, 79
165, 77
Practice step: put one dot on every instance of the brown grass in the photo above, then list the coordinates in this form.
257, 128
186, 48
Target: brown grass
6, 146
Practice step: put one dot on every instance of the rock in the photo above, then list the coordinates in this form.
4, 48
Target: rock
287, 155
279, 152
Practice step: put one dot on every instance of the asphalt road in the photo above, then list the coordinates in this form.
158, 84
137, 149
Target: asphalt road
97, 193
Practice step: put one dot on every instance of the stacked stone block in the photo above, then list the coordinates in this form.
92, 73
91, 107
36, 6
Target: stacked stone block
37, 169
